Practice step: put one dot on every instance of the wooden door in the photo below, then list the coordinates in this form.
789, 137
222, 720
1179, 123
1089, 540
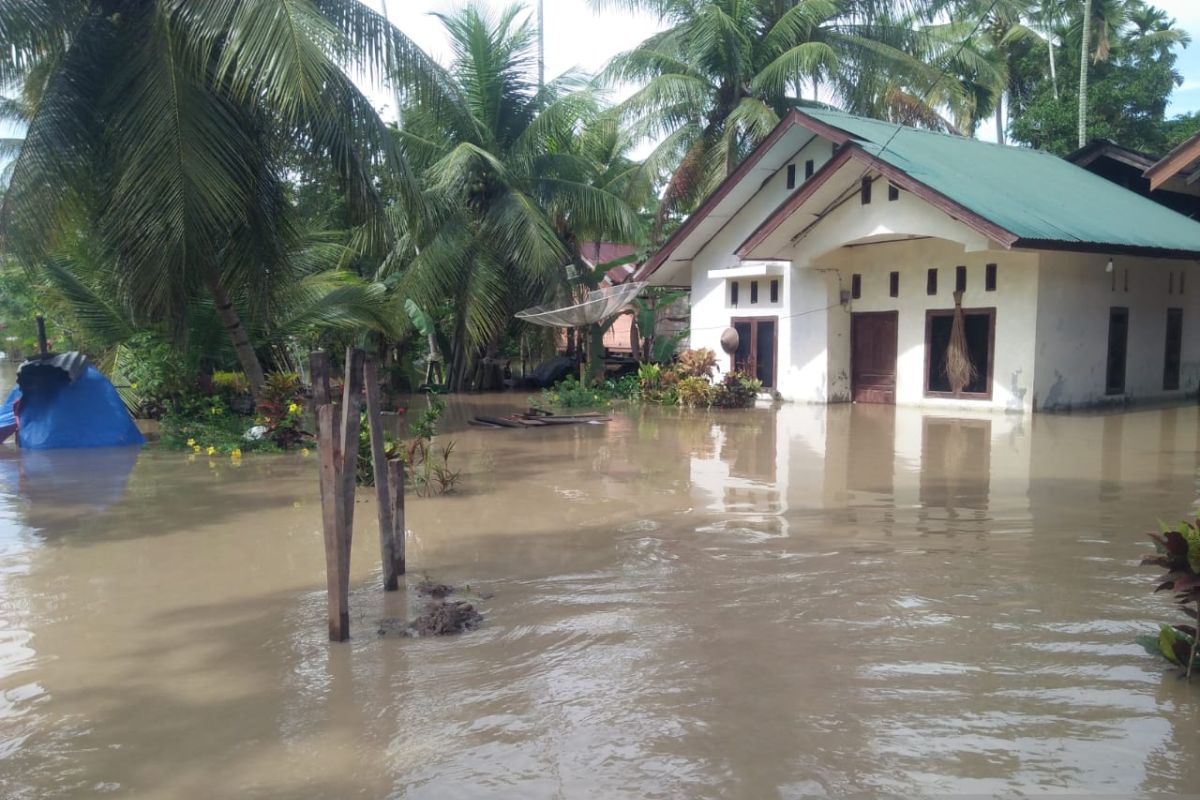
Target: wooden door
873, 357
757, 348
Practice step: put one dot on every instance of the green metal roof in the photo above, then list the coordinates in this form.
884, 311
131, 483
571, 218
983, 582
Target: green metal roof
1032, 194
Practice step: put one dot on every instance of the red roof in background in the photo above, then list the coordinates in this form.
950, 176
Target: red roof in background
595, 253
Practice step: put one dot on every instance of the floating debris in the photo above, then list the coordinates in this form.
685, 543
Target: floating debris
439, 617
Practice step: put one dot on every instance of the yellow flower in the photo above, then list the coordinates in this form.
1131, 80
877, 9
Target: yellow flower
214, 411
195, 447
293, 408
133, 386
212, 451
191, 442
236, 453
304, 452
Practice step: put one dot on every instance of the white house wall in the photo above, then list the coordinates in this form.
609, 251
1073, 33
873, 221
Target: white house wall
1075, 294
1015, 301
711, 310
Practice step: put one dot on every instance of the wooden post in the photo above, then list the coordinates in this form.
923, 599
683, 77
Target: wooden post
395, 470
348, 442
43, 348
318, 368
333, 520
383, 500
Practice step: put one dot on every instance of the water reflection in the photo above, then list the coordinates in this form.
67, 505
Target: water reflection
775, 603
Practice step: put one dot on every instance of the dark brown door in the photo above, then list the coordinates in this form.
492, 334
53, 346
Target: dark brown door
756, 353
873, 357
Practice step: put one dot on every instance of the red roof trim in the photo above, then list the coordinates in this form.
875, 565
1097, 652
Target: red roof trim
790, 120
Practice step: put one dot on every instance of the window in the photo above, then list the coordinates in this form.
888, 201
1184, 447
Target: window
989, 278
960, 279
775, 291
931, 282
979, 325
791, 176
1118, 344
733, 293
894, 284
1174, 349
866, 191
808, 169
753, 292
893, 192
856, 286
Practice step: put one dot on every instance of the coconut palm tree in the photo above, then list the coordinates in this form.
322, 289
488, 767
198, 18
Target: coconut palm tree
517, 177
162, 124
722, 73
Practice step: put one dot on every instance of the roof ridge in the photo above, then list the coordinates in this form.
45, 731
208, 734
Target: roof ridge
910, 129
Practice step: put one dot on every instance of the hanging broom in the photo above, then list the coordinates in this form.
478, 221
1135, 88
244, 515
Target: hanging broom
960, 372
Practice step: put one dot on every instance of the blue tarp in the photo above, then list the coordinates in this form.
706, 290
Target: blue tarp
56, 412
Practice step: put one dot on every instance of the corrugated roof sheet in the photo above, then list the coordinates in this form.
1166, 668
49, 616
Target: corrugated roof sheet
1030, 193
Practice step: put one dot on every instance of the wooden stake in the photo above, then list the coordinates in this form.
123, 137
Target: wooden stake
395, 469
348, 444
333, 520
383, 500
318, 368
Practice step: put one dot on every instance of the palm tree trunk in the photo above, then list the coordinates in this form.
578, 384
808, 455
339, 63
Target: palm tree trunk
1053, 68
1083, 71
238, 335
1000, 119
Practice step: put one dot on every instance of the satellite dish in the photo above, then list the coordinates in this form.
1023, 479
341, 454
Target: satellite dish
730, 340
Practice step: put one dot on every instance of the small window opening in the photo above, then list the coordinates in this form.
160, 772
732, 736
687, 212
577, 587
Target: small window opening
1118, 345
894, 284
989, 278
866, 191
733, 293
753, 292
856, 286
931, 282
791, 176
893, 192
809, 168
960, 279
1174, 349
775, 291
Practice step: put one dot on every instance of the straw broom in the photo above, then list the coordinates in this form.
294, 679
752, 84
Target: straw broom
959, 369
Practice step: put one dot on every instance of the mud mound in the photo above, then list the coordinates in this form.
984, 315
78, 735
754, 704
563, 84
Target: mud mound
439, 617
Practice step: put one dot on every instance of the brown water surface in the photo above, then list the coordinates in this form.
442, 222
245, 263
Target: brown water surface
772, 603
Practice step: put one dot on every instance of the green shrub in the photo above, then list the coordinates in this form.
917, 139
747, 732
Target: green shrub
736, 391
570, 393
699, 363
695, 392
1178, 553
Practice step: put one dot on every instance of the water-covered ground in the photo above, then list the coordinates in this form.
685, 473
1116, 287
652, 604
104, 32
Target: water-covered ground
771, 603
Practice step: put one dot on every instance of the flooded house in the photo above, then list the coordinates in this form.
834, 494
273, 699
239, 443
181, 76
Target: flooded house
841, 247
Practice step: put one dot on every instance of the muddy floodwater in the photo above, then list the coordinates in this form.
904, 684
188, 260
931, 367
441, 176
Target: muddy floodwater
775, 603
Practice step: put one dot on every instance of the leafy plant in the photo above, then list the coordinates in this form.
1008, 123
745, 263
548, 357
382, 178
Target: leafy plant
429, 470
570, 393
1178, 552
281, 409
699, 363
425, 425
736, 391
695, 392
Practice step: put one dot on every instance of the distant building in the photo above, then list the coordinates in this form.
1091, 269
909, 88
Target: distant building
1131, 168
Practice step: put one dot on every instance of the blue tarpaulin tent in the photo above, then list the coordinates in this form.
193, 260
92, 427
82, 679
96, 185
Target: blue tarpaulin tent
63, 401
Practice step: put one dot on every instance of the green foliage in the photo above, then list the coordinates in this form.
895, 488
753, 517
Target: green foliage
736, 391
151, 377
1130, 83
570, 393
695, 392
1178, 553
428, 468
200, 423
425, 425
233, 383
281, 409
